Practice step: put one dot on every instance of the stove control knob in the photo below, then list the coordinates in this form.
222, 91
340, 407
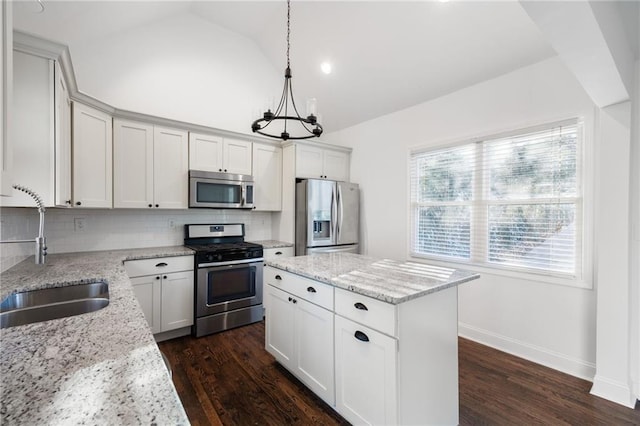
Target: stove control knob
209, 258
246, 254
219, 257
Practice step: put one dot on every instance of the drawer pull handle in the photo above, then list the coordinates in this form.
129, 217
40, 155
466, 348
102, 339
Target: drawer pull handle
361, 306
161, 264
278, 253
361, 336
311, 290
278, 277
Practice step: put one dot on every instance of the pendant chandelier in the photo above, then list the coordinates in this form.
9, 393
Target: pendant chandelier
308, 127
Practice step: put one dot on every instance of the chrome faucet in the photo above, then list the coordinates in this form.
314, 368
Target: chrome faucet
40, 240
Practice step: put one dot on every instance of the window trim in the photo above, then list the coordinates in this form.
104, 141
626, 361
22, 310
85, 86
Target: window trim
583, 279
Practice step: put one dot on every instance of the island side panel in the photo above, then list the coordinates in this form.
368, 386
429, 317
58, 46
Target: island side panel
428, 359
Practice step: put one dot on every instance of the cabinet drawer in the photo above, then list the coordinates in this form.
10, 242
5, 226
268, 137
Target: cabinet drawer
312, 291
275, 253
365, 310
160, 265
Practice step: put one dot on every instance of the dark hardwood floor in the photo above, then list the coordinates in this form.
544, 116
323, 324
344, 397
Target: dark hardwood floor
229, 379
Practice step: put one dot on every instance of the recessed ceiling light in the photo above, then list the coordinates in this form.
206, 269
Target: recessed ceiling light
325, 67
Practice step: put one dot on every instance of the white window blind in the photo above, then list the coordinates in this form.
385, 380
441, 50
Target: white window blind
510, 202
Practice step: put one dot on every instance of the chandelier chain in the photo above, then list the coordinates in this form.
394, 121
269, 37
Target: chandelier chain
288, 30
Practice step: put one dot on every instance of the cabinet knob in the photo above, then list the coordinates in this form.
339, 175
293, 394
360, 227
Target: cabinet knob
219, 170
290, 299
361, 336
68, 202
78, 203
225, 170
361, 306
311, 290
295, 301
164, 276
157, 205
158, 277
150, 205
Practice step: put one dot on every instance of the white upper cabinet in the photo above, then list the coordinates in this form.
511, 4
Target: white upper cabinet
205, 152
32, 130
170, 168
210, 153
132, 164
63, 140
150, 166
92, 157
6, 96
319, 163
267, 174
236, 156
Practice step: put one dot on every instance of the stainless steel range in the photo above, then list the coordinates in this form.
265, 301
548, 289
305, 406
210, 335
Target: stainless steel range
228, 277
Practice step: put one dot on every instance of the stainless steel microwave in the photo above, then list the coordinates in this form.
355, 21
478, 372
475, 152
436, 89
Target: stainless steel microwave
220, 190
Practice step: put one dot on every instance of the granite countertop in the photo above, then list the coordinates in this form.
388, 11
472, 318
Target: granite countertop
102, 367
388, 280
272, 243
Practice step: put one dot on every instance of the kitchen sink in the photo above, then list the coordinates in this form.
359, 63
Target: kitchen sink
51, 303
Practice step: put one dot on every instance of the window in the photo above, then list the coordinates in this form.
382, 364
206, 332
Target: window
509, 202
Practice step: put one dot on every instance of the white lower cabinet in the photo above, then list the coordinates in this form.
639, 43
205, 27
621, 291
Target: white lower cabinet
394, 364
365, 374
299, 335
164, 288
177, 301
148, 292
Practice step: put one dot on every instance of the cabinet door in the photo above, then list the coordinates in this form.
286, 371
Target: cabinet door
92, 157
132, 164
177, 300
365, 374
6, 97
309, 162
205, 152
280, 318
148, 293
267, 174
314, 349
32, 130
236, 157
63, 141
336, 165
170, 169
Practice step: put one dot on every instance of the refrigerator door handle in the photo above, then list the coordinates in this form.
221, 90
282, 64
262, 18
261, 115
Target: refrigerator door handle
340, 212
334, 215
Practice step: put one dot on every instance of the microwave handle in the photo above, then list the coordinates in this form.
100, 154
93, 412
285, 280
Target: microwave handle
244, 195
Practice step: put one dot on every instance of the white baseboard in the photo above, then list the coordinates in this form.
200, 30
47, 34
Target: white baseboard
569, 365
614, 391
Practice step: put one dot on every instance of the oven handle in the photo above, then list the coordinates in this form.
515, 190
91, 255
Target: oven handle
231, 262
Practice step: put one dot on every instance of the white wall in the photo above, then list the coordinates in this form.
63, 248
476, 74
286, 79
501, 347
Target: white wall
115, 229
634, 258
550, 324
182, 68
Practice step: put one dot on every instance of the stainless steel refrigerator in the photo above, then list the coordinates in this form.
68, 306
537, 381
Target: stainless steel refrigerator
327, 216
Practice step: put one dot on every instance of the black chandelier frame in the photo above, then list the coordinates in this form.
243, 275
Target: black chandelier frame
269, 117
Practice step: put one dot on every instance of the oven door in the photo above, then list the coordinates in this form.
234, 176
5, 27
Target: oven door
228, 286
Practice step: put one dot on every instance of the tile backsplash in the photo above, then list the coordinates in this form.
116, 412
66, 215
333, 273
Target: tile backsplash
73, 230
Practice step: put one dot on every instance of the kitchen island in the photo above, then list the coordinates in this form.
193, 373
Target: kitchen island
102, 367
376, 339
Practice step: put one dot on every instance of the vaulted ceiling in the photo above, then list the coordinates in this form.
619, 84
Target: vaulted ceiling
386, 55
